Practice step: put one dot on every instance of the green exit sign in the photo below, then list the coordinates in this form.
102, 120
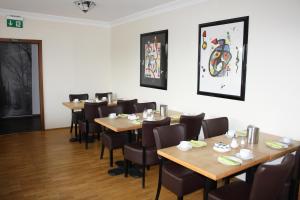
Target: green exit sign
14, 21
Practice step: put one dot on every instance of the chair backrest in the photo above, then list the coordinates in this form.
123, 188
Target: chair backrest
78, 96
101, 95
147, 131
140, 107
104, 111
91, 110
193, 125
127, 105
215, 127
269, 180
166, 136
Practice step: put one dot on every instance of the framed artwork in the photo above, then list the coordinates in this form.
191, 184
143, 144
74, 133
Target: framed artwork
154, 59
222, 58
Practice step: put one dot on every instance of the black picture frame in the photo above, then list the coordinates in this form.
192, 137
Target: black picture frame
222, 58
154, 59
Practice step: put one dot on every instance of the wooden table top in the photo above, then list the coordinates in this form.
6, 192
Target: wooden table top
204, 160
124, 124
80, 105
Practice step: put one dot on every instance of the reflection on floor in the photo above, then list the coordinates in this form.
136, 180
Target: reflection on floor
45, 165
20, 124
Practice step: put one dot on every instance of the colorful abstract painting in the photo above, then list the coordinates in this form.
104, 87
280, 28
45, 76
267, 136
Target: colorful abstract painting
153, 59
222, 58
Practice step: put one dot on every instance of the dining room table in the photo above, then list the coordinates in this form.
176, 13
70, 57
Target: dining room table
124, 122
79, 106
206, 160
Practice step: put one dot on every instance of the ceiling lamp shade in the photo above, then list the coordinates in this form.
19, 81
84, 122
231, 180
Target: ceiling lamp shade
85, 5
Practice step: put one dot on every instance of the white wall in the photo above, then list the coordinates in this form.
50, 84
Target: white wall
272, 86
76, 59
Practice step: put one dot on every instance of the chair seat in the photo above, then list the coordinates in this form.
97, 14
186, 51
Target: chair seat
134, 153
179, 179
238, 190
114, 140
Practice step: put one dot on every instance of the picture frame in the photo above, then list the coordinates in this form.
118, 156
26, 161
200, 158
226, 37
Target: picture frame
154, 59
222, 58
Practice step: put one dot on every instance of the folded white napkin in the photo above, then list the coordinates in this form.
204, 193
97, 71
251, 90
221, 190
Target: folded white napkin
184, 146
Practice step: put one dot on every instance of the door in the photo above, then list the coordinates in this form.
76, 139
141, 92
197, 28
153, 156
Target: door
21, 91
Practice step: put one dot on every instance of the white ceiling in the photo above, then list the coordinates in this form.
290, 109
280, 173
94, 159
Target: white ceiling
105, 10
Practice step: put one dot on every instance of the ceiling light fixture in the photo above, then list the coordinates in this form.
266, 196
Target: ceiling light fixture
85, 5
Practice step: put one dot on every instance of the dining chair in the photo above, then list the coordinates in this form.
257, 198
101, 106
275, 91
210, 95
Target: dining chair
193, 125
77, 114
291, 190
111, 139
127, 105
87, 124
268, 183
144, 153
101, 95
175, 177
140, 107
215, 127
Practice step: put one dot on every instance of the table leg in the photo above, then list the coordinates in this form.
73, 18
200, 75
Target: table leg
120, 169
250, 174
209, 185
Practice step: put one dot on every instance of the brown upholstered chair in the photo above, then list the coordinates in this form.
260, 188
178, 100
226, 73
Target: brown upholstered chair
76, 114
101, 95
193, 125
127, 105
291, 188
144, 154
110, 139
140, 107
88, 125
268, 183
215, 127
174, 177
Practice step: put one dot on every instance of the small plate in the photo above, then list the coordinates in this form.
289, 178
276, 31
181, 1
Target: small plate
229, 160
239, 156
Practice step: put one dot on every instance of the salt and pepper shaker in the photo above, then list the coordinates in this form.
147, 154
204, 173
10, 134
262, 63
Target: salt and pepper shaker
234, 143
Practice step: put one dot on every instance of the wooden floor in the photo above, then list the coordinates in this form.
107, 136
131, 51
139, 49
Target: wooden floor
45, 165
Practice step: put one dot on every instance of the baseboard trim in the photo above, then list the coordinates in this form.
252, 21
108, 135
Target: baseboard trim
54, 129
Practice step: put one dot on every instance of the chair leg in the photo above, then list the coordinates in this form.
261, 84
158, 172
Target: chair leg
98, 136
148, 167
123, 150
144, 167
180, 198
80, 135
126, 168
111, 157
159, 180
143, 178
102, 151
86, 135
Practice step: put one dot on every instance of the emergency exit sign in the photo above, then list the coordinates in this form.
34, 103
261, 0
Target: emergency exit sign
14, 21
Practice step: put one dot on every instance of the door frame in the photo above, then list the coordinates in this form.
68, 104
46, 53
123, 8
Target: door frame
40, 63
